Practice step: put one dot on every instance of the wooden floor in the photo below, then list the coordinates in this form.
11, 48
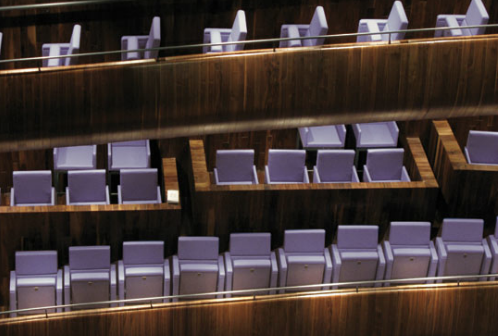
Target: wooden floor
469, 309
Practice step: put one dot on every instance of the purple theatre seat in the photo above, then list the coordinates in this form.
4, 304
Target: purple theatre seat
128, 155
89, 277
303, 260
153, 40
139, 186
476, 15
61, 49
235, 167
87, 187
374, 135
493, 246
335, 166
332, 136
385, 165
461, 248
250, 263
75, 158
357, 256
482, 148
197, 268
143, 272
32, 188
36, 282
286, 166
237, 33
397, 20
317, 27
409, 252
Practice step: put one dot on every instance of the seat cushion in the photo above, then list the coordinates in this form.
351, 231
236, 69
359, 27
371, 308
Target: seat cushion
144, 271
41, 281
359, 255
411, 252
197, 267
251, 263
90, 276
306, 259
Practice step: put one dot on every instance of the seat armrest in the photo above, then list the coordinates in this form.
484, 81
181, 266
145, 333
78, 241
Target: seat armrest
336, 262
221, 277
442, 255
433, 263
167, 280
327, 274
147, 146
58, 286
52, 196
404, 175
388, 253
357, 133
216, 179
107, 195
373, 27
55, 152
451, 22
267, 175
486, 262
316, 175
293, 32
67, 287
68, 198
394, 131
354, 175
366, 174
493, 246
94, 156
255, 175
306, 178
282, 269
109, 156
229, 273
176, 276
215, 37
467, 156
159, 197
13, 293
274, 272
12, 198
341, 131
121, 281
381, 268
113, 284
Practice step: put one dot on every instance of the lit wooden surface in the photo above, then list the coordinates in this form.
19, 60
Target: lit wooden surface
453, 311
207, 94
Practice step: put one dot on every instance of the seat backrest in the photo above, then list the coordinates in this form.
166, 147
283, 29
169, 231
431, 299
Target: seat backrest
318, 26
286, 165
250, 244
482, 146
397, 21
410, 233
143, 252
476, 15
385, 164
235, 165
198, 248
136, 143
357, 236
138, 184
304, 241
89, 258
239, 32
87, 185
32, 186
154, 39
74, 46
335, 165
462, 230
36, 262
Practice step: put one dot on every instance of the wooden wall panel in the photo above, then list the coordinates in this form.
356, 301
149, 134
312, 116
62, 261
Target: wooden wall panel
469, 190
183, 22
194, 95
221, 210
465, 310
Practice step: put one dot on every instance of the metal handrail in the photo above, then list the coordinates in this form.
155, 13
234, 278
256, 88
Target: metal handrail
354, 285
258, 41
60, 4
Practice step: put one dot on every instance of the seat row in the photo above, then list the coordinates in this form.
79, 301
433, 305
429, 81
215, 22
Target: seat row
85, 187
199, 270
288, 166
397, 20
